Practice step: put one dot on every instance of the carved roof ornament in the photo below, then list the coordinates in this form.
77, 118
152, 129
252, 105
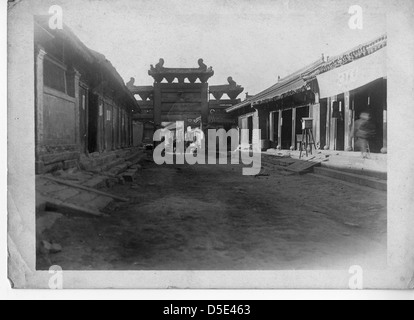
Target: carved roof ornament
233, 90
145, 92
159, 73
202, 65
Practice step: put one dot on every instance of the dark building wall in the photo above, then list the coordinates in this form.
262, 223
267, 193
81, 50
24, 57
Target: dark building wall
74, 118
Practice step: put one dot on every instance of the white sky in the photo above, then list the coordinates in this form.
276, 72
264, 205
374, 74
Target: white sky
254, 41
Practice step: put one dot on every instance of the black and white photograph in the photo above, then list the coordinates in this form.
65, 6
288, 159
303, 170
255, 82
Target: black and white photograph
210, 144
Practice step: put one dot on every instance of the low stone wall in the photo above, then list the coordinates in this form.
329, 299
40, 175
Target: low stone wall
54, 158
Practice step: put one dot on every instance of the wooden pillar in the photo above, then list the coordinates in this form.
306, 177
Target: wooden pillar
240, 121
256, 127
271, 127
317, 132
157, 105
245, 132
77, 76
131, 130
384, 149
39, 99
316, 124
328, 123
293, 128
279, 129
204, 105
349, 122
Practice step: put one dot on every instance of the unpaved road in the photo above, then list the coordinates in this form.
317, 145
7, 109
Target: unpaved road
214, 218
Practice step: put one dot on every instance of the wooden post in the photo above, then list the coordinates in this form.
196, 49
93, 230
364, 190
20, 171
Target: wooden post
272, 126
240, 130
39, 98
333, 125
294, 128
384, 149
279, 134
157, 105
204, 106
349, 122
316, 124
256, 127
328, 124
77, 76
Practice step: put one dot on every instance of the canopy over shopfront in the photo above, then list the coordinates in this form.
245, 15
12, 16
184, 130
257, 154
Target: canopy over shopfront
354, 75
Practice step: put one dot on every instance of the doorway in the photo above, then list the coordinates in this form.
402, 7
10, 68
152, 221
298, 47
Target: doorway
301, 113
287, 129
339, 113
275, 133
323, 119
83, 118
250, 127
370, 98
93, 117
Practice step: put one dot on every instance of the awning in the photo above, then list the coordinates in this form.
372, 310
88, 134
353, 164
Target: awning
353, 75
287, 86
280, 89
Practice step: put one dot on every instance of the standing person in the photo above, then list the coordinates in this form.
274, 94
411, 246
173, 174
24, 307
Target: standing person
364, 130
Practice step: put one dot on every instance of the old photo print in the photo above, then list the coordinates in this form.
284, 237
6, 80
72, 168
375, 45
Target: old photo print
210, 144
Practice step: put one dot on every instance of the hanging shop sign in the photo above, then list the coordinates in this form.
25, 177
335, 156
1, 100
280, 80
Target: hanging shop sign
353, 75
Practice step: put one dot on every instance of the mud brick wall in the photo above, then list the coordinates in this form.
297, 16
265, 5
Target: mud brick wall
61, 157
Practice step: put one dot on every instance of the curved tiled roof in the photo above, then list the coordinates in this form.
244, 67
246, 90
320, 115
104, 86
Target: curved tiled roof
301, 80
288, 86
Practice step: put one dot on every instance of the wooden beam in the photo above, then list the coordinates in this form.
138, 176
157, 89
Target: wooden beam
68, 208
77, 186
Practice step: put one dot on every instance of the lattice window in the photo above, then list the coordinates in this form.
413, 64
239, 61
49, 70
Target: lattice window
54, 76
57, 77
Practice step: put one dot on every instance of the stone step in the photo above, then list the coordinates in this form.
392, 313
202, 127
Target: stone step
136, 157
110, 165
361, 180
97, 182
115, 171
354, 169
130, 175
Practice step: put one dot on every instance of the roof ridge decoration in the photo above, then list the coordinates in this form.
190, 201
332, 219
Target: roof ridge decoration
145, 92
233, 90
358, 52
159, 73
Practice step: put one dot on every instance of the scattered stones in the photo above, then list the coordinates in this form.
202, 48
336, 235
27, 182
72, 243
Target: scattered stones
49, 248
56, 248
111, 182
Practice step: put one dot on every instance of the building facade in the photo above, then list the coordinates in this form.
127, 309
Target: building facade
82, 105
333, 92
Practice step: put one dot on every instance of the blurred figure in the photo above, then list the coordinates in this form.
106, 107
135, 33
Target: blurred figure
364, 131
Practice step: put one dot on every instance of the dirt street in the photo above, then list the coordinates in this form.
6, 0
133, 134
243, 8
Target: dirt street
214, 218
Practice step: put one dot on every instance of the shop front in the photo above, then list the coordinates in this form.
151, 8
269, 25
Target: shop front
348, 91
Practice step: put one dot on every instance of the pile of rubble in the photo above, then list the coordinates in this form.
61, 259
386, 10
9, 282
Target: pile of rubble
81, 192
